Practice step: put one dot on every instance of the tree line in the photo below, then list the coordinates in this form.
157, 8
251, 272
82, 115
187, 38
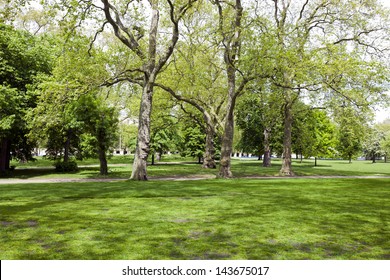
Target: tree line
283, 74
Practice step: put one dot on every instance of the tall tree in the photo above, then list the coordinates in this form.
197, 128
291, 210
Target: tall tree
151, 61
351, 129
230, 25
196, 77
313, 39
99, 121
22, 58
75, 74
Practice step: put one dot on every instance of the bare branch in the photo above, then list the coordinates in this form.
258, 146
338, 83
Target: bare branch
119, 29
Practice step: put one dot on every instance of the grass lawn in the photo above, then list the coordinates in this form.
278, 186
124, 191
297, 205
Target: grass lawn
208, 219
120, 167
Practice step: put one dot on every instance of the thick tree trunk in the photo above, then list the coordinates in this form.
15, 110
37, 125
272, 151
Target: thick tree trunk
209, 155
286, 169
143, 139
5, 156
228, 134
267, 148
103, 161
373, 158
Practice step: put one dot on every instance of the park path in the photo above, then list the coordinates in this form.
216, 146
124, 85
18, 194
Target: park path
175, 178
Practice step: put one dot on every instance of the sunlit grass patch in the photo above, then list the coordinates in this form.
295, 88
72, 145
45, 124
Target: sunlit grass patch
209, 219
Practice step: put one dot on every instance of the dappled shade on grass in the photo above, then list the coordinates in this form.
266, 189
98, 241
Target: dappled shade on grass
211, 219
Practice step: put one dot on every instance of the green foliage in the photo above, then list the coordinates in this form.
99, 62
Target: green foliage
69, 104
99, 122
193, 142
69, 166
313, 132
351, 127
23, 57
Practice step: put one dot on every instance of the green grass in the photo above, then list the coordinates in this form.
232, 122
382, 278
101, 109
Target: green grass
208, 219
120, 167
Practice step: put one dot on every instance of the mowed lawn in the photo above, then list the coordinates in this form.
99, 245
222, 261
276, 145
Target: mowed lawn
206, 219
120, 167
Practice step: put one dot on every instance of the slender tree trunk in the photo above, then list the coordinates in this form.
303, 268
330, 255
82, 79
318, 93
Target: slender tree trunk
228, 134
267, 148
67, 146
103, 161
373, 158
350, 158
4, 154
143, 139
315, 161
286, 169
209, 155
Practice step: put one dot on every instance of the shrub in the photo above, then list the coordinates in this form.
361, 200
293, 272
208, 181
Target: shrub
69, 166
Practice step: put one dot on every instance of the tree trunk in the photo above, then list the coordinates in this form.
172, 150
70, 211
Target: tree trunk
286, 169
228, 134
5, 156
143, 138
315, 161
267, 149
209, 155
153, 159
373, 158
67, 146
103, 161
350, 158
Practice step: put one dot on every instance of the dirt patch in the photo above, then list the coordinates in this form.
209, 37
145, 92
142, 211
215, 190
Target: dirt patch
6, 224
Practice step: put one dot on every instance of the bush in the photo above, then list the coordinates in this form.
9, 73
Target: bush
69, 166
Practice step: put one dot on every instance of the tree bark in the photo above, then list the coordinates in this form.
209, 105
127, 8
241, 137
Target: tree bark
67, 146
228, 134
267, 149
286, 169
103, 161
209, 155
5, 156
143, 139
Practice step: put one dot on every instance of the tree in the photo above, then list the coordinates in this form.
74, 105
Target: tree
320, 42
150, 62
22, 58
258, 116
313, 133
99, 121
384, 128
376, 142
230, 20
55, 120
193, 142
164, 126
195, 78
351, 128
